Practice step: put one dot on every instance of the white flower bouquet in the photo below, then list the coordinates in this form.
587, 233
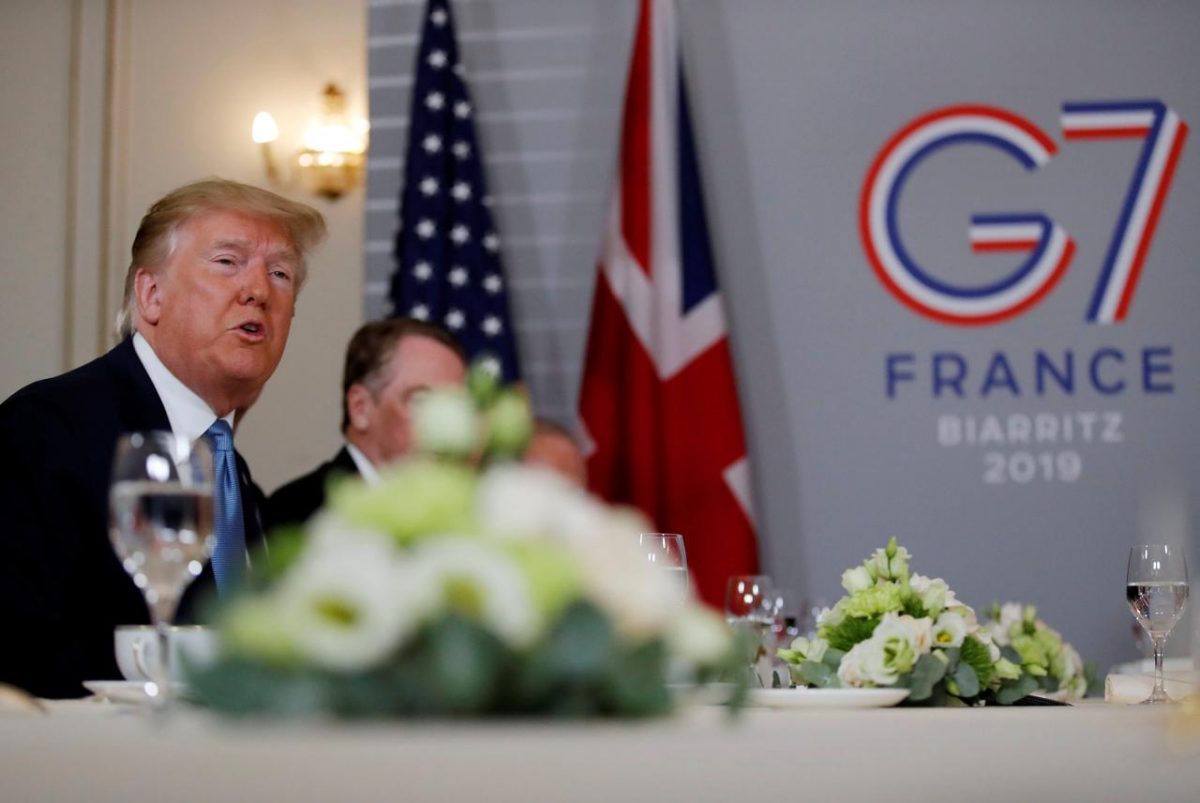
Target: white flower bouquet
1040, 650
453, 590
898, 629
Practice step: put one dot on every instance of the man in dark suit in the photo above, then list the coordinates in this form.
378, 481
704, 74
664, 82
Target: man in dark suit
210, 295
389, 364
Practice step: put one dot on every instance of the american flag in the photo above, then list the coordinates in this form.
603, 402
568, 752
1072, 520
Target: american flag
448, 267
658, 401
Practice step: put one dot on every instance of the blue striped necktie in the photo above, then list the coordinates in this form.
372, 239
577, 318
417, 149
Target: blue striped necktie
229, 556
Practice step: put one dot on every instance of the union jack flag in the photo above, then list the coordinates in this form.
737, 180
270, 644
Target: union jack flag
448, 267
658, 401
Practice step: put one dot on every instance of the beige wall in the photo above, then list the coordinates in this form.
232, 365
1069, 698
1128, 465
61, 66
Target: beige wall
148, 95
34, 46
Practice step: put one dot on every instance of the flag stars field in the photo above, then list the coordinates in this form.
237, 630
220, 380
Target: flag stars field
439, 273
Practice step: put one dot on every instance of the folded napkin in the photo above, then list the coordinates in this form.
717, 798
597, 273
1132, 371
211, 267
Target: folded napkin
1134, 688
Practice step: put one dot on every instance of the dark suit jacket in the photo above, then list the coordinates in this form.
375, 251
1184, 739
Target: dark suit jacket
62, 588
295, 502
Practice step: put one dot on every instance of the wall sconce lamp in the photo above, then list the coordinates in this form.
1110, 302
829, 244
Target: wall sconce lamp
334, 154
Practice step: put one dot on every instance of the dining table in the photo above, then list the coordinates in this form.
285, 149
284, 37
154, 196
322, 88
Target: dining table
1091, 751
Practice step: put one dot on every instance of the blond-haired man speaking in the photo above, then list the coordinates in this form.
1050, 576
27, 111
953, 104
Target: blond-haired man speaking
209, 298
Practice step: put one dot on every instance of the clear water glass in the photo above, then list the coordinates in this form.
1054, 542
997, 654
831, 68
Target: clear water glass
665, 551
161, 525
1156, 588
751, 606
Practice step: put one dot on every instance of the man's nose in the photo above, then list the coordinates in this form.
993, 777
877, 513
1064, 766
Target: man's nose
255, 282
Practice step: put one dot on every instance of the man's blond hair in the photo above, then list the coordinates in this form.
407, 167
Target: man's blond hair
155, 237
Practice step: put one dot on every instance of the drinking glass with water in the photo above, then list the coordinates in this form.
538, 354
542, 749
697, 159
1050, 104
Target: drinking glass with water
161, 524
1156, 587
665, 551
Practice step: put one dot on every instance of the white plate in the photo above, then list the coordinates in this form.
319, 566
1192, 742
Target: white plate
706, 694
124, 691
825, 698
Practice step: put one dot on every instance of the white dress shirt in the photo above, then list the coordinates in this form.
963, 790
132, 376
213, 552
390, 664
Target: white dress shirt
189, 415
365, 467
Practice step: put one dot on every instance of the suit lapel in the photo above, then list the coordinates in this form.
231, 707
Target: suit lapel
343, 463
141, 408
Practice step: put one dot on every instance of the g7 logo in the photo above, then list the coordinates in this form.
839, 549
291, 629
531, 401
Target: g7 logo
1048, 249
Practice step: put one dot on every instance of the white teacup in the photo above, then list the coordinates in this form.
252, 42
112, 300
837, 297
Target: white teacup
137, 650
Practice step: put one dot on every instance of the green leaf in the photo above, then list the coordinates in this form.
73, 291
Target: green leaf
814, 674
913, 606
465, 660
850, 631
566, 667
925, 675
950, 656
833, 658
634, 683
966, 680
1014, 690
976, 654
241, 688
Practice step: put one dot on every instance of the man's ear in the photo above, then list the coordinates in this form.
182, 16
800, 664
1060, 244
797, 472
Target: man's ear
359, 405
148, 292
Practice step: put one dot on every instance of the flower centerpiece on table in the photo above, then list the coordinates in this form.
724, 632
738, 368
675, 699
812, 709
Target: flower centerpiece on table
898, 629
1040, 650
462, 584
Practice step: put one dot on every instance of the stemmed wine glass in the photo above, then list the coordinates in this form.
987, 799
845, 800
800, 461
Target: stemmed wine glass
1156, 587
750, 606
665, 551
161, 525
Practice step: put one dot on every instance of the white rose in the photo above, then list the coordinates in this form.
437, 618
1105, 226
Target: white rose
516, 501
445, 422
856, 579
829, 617
984, 636
482, 583
850, 669
932, 591
866, 664
902, 640
698, 635
349, 603
1011, 614
810, 649
949, 630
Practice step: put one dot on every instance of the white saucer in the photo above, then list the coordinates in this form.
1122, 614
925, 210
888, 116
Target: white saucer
686, 694
825, 698
125, 691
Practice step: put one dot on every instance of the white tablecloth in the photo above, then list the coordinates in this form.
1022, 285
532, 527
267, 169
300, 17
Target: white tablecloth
1092, 752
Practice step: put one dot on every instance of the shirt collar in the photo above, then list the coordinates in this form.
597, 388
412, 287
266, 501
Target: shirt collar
189, 415
367, 469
